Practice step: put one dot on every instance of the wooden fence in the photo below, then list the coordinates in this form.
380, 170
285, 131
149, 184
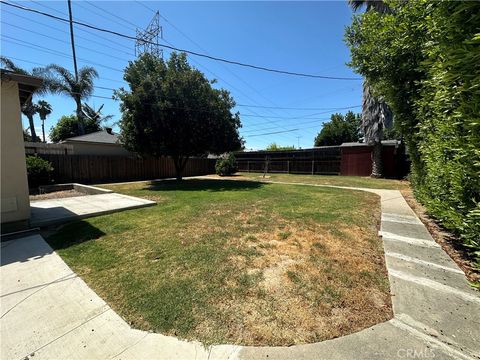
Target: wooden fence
102, 169
322, 160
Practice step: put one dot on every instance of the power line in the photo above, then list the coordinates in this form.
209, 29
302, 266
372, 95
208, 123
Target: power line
215, 58
243, 105
65, 42
53, 52
216, 76
65, 14
298, 108
312, 120
145, 6
272, 133
201, 48
204, 50
255, 114
111, 14
296, 124
290, 117
65, 32
43, 65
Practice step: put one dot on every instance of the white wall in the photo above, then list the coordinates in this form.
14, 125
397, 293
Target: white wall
15, 204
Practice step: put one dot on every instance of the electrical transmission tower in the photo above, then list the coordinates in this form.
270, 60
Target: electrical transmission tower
148, 40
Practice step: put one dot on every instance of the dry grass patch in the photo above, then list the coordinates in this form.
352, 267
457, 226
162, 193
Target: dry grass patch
237, 262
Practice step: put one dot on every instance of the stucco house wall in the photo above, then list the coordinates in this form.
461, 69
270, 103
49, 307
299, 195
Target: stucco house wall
15, 205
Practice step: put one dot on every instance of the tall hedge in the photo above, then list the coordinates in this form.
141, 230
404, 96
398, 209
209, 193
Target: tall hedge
424, 58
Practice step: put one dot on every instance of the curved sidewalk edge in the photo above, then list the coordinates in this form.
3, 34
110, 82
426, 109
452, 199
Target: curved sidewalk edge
48, 312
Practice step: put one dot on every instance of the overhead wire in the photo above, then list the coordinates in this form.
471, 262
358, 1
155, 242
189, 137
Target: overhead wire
195, 53
65, 32
256, 124
235, 75
241, 105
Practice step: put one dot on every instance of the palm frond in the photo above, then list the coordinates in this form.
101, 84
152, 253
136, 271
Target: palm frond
356, 4
10, 65
95, 115
376, 5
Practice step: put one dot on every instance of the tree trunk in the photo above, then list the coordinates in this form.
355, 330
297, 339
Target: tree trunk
43, 129
81, 126
377, 170
32, 128
179, 163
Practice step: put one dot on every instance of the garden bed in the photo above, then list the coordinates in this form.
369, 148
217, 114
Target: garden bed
237, 261
59, 191
61, 194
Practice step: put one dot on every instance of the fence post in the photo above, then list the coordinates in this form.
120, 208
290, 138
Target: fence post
313, 167
288, 166
248, 166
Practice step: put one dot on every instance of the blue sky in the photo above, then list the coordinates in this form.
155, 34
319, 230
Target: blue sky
295, 36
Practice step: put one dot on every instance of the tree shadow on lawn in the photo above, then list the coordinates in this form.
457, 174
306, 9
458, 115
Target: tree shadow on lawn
73, 233
203, 185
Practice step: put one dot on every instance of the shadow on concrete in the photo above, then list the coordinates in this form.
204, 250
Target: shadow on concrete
24, 249
203, 185
45, 216
76, 232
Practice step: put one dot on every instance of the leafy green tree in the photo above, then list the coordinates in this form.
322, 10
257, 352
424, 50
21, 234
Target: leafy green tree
376, 115
68, 126
340, 129
62, 81
172, 110
27, 137
28, 109
423, 58
43, 109
275, 147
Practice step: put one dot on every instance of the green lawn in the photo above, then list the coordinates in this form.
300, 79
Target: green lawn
351, 181
236, 261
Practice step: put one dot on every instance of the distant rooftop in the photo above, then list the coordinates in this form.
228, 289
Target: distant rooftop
99, 137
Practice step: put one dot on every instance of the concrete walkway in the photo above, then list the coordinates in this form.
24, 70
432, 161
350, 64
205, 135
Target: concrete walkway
48, 312
55, 211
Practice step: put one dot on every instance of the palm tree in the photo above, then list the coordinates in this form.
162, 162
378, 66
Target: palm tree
376, 115
376, 5
43, 109
62, 81
28, 108
93, 115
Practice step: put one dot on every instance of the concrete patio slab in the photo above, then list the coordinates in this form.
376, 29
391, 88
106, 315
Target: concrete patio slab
48, 312
57, 211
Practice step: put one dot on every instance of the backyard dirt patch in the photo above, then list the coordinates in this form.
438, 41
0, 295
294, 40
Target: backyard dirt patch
57, 195
312, 285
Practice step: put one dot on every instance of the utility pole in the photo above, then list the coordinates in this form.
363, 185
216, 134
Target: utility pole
148, 40
72, 39
298, 142
75, 68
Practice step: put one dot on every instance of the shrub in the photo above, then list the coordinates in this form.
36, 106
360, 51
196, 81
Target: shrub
39, 171
423, 58
226, 165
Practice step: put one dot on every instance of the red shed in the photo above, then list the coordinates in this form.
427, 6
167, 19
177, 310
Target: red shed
357, 159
